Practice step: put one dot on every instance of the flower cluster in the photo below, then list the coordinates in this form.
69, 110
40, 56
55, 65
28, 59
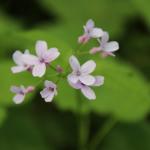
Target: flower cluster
79, 78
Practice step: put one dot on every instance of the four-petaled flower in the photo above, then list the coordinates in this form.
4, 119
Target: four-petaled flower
20, 93
90, 31
44, 57
86, 90
81, 73
106, 48
49, 91
21, 65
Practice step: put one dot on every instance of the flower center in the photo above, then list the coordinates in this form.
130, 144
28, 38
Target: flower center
51, 89
42, 60
78, 73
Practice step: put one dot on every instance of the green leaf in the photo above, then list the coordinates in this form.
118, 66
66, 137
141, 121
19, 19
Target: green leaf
128, 137
143, 8
107, 14
20, 132
125, 94
8, 28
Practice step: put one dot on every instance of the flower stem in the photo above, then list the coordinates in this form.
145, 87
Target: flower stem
102, 133
83, 123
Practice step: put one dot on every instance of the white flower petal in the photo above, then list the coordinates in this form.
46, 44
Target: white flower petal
77, 85
96, 33
41, 48
51, 55
45, 93
88, 93
18, 98
50, 97
90, 24
73, 78
99, 80
30, 59
15, 89
49, 84
105, 38
87, 79
74, 63
39, 70
17, 57
17, 69
88, 67
111, 46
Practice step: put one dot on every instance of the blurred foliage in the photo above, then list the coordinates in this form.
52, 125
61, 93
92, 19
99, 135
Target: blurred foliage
125, 95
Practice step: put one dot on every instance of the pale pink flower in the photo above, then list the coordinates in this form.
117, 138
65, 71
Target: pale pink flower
81, 73
20, 93
90, 31
86, 90
44, 57
106, 48
49, 91
21, 65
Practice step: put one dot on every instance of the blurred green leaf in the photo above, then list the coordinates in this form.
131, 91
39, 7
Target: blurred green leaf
124, 95
8, 28
128, 137
108, 14
143, 7
20, 132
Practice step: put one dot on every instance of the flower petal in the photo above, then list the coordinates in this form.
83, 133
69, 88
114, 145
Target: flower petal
99, 80
87, 79
77, 85
17, 69
30, 59
88, 93
17, 57
105, 38
45, 93
111, 46
41, 48
50, 97
15, 89
18, 98
94, 50
88, 67
74, 63
83, 38
49, 84
39, 70
73, 78
51, 55
96, 33
90, 24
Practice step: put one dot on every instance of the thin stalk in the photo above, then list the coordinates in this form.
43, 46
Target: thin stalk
102, 133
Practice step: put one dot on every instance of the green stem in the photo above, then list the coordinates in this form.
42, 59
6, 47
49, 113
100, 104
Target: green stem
83, 124
102, 133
